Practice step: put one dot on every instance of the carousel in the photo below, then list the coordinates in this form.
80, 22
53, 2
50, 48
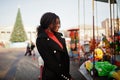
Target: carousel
104, 60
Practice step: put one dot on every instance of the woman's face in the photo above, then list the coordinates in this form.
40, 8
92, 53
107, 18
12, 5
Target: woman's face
54, 27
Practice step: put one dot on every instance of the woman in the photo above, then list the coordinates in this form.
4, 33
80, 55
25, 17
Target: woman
52, 48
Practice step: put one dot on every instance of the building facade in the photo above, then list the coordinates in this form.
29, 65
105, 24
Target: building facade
111, 26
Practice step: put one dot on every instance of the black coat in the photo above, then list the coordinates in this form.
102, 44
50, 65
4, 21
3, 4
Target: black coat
56, 59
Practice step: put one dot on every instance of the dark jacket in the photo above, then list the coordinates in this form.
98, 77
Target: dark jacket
56, 59
32, 46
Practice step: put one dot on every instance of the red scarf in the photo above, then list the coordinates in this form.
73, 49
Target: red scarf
53, 37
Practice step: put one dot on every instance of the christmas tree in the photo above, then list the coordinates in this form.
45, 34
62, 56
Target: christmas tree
18, 33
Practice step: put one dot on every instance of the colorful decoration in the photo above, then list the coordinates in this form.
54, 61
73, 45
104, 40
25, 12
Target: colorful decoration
74, 35
105, 41
98, 54
104, 68
88, 65
115, 74
116, 42
92, 44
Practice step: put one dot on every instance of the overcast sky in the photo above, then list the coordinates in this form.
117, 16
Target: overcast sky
67, 10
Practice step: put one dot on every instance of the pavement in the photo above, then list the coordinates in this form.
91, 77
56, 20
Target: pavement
15, 66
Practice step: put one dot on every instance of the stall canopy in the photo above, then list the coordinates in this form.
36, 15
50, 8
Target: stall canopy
111, 1
107, 1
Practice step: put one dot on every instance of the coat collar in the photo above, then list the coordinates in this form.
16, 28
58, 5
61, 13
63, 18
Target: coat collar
52, 44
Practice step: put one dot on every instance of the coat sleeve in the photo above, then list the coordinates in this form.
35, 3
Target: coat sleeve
66, 60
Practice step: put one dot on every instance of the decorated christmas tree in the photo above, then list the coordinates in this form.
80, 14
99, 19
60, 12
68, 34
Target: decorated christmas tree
18, 33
